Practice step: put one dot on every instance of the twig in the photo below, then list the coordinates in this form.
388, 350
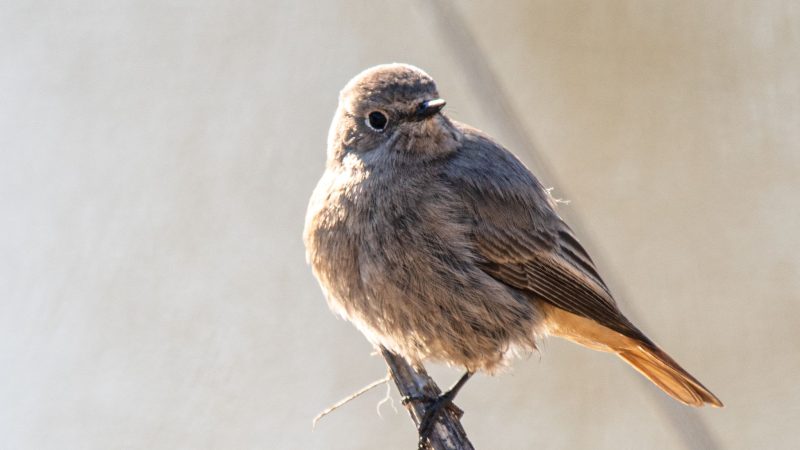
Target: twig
447, 434
350, 397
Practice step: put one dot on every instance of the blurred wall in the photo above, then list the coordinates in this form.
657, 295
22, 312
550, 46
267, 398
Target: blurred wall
156, 159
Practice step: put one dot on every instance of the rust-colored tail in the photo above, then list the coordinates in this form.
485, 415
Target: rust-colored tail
643, 355
665, 373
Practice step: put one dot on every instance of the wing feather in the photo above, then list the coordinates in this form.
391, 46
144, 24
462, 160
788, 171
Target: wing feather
520, 237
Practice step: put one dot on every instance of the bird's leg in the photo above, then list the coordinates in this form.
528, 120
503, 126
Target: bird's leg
436, 407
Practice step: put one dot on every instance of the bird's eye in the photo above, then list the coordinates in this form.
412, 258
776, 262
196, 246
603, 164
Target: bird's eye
377, 120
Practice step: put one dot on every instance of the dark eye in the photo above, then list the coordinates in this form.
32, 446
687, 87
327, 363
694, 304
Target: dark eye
377, 120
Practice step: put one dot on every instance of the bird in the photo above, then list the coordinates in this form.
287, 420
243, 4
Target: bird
440, 245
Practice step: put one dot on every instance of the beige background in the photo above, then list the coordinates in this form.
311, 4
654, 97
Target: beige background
156, 159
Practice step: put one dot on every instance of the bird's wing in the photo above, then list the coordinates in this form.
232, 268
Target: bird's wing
520, 239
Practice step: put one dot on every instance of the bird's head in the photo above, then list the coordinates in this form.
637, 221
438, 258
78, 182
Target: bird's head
391, 111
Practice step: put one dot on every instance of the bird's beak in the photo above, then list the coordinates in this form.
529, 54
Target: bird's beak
429, 108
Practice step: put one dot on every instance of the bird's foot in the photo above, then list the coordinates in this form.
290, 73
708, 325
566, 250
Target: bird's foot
434, 409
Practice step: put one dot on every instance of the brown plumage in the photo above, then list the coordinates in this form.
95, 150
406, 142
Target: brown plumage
438, 243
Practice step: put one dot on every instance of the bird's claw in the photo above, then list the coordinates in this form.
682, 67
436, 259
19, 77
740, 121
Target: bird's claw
417, 398
433, 411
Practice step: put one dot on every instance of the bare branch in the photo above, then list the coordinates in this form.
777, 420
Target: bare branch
416, 385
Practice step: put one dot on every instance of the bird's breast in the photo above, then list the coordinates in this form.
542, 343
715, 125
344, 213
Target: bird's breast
367, 231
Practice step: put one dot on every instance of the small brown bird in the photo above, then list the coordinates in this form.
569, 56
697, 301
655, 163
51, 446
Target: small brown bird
439, 244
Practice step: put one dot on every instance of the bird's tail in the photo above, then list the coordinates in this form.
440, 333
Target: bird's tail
664, 372
643, 355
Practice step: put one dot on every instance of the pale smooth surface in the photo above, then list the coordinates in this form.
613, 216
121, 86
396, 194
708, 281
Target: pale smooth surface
156, 159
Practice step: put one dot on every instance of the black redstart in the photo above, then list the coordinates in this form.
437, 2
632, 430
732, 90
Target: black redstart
439, 244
